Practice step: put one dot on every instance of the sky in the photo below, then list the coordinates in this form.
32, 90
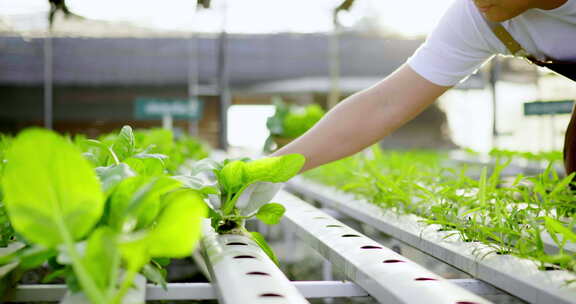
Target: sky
406, 17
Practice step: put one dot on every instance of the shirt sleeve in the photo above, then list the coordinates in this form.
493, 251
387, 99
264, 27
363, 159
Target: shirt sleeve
456, 48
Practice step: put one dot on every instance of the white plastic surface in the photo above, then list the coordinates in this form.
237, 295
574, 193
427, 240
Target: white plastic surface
384, 274
243, 273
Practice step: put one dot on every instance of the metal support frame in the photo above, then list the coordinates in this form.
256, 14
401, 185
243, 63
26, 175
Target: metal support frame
193, 291
384, 274
476, 286
223, 80
136, 294
519, 277
206, 291
48, 81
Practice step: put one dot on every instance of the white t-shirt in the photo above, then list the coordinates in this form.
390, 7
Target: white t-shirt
462, 41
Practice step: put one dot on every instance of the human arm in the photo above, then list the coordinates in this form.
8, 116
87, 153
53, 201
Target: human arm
365, 118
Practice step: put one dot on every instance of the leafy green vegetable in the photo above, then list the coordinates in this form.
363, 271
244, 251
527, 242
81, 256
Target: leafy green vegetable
275, 123
6, 230
101, 257
236, 176
550, 156
245, 189
298, 121
178, 227
146, 166
156, 274
66, 201
136, 201
156, 140
261, 241
112, 175
274, 169
175, 233
51, 194
478, 203
98, 153
291, 121
555, 227
98, 212
231, 177
271, 213
125, 145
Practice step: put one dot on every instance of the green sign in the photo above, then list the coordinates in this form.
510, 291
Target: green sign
548, 107
157, 108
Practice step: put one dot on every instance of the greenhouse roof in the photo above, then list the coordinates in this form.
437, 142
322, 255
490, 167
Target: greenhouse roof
252, 59
35, 25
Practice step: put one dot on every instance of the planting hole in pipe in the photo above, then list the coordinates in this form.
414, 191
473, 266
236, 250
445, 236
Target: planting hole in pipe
271, 295
236, 244
370, 247
320, 218
392, 261
425, 279
244, 257
350, 235
258, 273
333, 226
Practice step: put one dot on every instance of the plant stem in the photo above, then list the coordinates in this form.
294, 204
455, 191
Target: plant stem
88, 285
113, 280
225, 205
126, 284
114, 157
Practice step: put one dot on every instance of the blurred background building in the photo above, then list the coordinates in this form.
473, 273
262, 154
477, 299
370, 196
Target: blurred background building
94, 64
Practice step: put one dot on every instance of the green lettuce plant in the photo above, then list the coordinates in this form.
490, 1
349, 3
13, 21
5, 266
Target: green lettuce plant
6, 230
244, 188
154, 150
98, 212
289, 122
96, 230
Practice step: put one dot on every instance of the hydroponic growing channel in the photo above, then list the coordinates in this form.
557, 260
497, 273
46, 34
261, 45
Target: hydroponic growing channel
519, 238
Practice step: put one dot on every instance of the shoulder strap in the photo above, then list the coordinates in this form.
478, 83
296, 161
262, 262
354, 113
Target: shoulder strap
504, 36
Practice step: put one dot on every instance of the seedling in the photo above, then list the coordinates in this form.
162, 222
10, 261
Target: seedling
508, 218
243, 189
